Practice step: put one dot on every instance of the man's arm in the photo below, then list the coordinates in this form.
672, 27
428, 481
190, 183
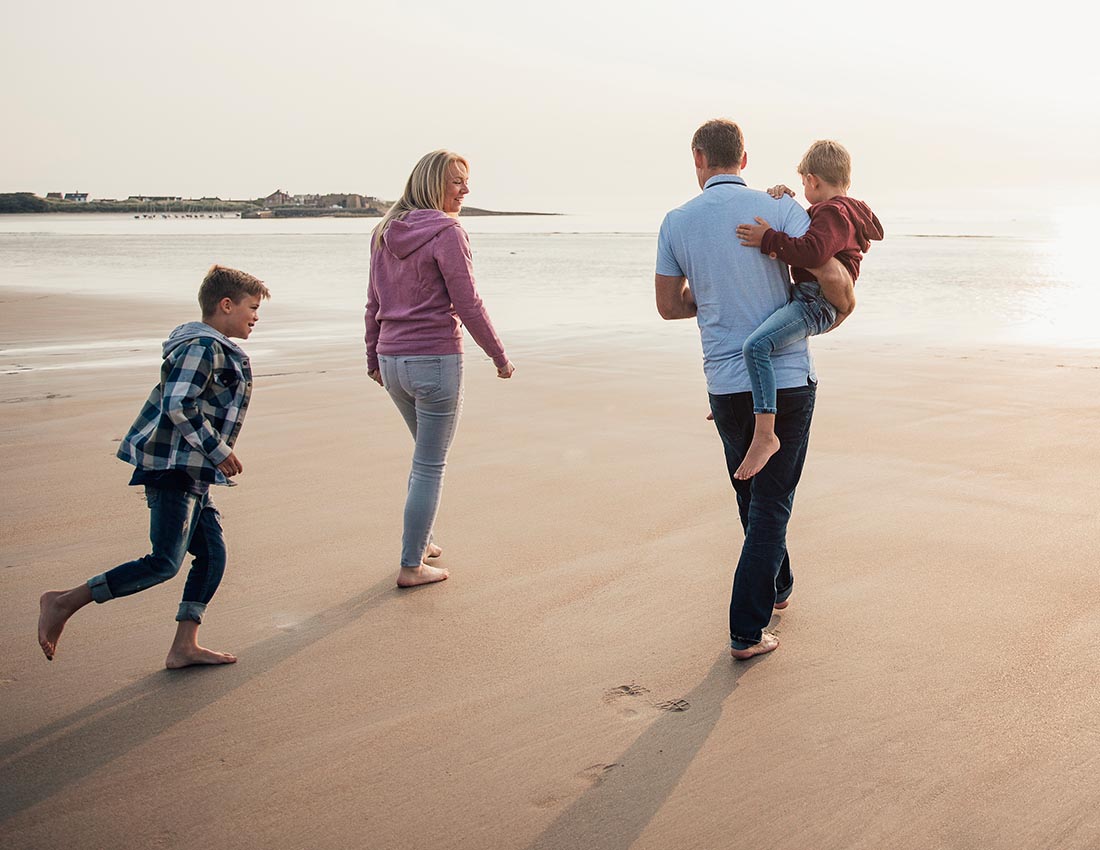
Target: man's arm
837, 287
674, 299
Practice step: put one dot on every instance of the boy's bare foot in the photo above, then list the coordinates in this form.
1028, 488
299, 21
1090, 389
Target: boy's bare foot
768, 642
413, 576
52, 617
760, 451
433, 551
192, 655
54, 609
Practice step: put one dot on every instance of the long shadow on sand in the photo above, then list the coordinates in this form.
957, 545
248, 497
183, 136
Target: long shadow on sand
614, 812
36, 766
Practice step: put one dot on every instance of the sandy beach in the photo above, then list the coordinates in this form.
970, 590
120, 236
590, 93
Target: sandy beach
570, 686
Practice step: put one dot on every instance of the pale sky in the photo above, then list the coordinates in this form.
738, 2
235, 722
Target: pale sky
567, 106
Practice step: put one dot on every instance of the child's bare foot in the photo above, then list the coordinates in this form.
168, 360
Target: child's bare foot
433, 551
52, 617
413, 576
760, 451
768, 642
192, 655
54, 609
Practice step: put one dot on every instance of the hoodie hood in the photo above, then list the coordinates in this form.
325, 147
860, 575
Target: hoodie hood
867, 226
415, 230
196, 330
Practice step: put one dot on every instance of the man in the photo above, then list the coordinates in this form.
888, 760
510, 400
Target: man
703, 271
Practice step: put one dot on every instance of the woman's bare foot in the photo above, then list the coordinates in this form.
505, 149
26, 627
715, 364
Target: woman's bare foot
413, 576
762, 447
54, 609
768, 642
191, 655
433, 551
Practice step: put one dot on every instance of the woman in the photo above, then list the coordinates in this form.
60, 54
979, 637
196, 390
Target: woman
420, 295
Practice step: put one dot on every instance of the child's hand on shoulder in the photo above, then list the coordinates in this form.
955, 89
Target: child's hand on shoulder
752, 234
779, 191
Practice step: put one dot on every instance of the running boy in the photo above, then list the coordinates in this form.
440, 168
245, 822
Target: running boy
840, 227
181, 443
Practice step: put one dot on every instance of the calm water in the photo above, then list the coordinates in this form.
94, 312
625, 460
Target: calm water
981, 278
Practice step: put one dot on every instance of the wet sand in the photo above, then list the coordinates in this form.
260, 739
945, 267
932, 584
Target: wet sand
570, 685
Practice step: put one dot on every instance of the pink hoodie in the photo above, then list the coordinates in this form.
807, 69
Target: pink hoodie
422, 291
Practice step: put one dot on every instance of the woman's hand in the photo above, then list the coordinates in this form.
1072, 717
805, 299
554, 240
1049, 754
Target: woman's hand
376, 376
506, 370
779, 191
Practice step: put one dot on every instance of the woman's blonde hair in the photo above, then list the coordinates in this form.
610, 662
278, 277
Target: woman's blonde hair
425, 189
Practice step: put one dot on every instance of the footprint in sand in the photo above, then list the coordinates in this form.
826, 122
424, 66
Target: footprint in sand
597, 773
620, 699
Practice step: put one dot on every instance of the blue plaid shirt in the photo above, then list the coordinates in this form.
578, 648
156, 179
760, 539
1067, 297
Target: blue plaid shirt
193, 416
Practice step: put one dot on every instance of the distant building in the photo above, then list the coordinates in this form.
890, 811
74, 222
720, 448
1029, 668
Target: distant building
79, 197
278, 198
152, 198
53, 196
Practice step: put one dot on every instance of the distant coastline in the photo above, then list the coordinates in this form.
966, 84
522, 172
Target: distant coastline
12, 203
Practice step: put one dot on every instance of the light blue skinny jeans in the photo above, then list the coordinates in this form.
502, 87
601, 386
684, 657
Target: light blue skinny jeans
806, 314
427, 390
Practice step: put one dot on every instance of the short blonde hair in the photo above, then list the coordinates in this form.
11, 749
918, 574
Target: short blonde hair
829, 161
425, 188
721, 142
223, 282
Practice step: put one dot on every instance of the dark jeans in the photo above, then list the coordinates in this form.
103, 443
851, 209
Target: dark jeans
763, 576
179, 523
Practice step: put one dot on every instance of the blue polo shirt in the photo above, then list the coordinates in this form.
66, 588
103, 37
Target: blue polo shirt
736, 288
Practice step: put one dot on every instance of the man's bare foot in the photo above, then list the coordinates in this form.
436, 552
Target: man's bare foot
191, 655
779, 606
768, 642
760, 451
413, 576
433, 551
52, 617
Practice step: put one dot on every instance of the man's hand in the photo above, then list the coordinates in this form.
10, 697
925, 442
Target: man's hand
376, 376
752, 234
836, 285
506, 370
779, 191
231, 466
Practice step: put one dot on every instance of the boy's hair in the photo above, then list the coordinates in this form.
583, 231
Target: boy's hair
829, 161
721, 142
223, 282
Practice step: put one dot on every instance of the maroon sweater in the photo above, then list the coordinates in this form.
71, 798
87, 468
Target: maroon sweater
840, 227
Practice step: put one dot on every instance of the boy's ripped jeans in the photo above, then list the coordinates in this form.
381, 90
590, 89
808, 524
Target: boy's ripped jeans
179, 522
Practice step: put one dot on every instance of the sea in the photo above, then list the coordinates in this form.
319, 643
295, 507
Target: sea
551, 283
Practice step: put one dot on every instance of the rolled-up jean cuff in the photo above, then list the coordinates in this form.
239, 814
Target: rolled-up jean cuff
100, 591
737, 643
190, 611
758, 410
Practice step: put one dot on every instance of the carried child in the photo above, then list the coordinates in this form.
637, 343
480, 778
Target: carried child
840, 227
181, 443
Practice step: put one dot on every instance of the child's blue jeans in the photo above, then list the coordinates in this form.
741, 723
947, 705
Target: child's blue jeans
179, 522
806, 314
